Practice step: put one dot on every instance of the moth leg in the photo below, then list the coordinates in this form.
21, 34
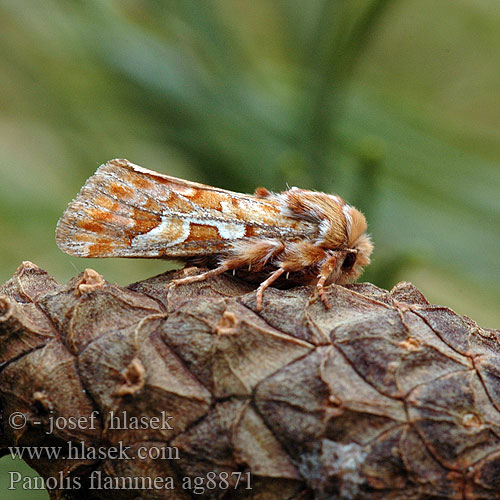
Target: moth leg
325, 271
320, 285
203, 276
272, 278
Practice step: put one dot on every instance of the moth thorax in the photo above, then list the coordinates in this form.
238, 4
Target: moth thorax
334, 228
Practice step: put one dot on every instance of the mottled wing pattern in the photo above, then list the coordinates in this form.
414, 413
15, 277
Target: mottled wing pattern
124, 210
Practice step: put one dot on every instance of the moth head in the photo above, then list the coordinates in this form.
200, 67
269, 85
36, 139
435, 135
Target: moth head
354, 260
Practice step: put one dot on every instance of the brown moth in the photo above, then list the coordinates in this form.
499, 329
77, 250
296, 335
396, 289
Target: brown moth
296, 236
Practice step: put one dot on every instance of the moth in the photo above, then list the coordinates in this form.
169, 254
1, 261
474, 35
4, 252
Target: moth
293, 237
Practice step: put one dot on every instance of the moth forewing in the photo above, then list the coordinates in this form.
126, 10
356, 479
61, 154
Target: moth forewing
124, 210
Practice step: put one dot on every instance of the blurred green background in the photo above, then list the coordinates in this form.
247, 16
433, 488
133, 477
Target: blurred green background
395, 105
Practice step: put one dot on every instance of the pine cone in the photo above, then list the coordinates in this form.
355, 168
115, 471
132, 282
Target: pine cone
159, 393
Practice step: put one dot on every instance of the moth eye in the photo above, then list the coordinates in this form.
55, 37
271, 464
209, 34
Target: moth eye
349, 261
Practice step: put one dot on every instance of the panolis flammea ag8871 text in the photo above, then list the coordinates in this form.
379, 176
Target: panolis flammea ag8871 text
296, 236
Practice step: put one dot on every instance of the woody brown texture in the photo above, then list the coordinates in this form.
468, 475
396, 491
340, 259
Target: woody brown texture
383, 396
